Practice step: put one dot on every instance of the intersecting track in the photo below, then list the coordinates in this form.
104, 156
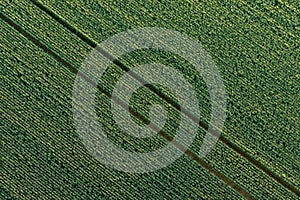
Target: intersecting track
168, 100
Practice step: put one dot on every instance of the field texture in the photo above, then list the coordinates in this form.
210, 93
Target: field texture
255, 46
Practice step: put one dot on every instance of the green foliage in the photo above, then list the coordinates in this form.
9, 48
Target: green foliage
254, 46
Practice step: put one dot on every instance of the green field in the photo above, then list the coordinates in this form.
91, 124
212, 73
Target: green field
254, 45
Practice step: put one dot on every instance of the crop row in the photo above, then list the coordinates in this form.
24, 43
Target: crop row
57, 43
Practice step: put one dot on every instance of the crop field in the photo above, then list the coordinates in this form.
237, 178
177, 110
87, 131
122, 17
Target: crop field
255, 46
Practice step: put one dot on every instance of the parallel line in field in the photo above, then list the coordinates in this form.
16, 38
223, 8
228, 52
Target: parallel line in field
224, 140
142, 118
